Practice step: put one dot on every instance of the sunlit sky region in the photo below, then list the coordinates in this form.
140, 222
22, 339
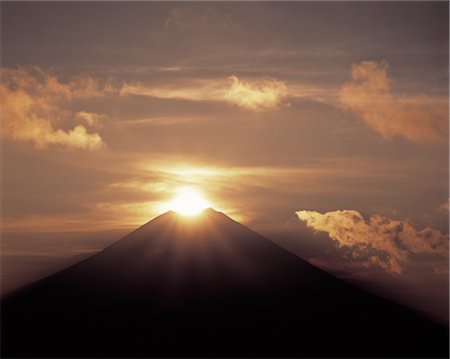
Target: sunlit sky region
323, 126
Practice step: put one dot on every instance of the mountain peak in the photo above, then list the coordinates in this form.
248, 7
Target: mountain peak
208, 215
206, 211
177, 279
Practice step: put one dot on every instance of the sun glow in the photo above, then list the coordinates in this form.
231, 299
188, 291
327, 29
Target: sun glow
189, 202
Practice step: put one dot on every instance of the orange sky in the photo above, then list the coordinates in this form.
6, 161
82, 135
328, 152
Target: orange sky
324, 109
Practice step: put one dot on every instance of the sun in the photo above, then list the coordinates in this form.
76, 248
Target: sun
189, 202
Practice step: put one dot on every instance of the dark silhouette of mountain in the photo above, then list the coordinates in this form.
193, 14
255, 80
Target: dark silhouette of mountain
206, 286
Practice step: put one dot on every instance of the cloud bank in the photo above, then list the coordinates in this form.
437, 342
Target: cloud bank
380, 241
369, 95
32, 108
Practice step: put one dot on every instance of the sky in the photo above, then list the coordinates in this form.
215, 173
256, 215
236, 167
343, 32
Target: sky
323, 126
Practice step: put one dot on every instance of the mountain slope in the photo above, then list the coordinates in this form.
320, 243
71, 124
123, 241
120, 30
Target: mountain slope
206, 286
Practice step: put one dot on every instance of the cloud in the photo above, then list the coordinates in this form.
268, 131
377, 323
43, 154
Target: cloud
195, 91
444, 207
380, 241
33, 107
266, 94
257, 95
369, 94
91, 118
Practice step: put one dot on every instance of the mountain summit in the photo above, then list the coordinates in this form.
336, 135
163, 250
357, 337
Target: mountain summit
206, 286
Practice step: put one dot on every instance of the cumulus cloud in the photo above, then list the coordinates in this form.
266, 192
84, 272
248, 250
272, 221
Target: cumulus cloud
256, 95
32, 108
380, 241
369, 94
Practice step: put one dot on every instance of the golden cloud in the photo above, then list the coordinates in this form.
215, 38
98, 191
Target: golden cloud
91, 118
382, 241
257, 95
266, 94
30, 101
419, 118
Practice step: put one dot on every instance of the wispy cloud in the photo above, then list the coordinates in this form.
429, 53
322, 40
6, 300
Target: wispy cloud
379, 241
369, 94
256, 94
196, 90
33, 107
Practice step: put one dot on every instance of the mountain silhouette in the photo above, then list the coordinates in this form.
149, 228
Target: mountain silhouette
206, 286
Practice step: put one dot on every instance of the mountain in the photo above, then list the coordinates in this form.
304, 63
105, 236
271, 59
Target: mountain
206, 286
